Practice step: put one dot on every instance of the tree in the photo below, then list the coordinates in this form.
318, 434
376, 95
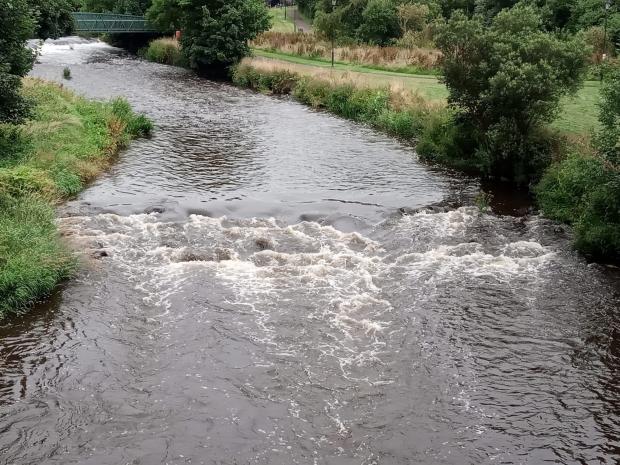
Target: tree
132, 7
166, 14
215, 33
53, 17
17, 25
380, 22
506, 81
412, 16
329, 25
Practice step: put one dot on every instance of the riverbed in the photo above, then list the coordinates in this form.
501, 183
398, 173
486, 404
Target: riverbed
262, 283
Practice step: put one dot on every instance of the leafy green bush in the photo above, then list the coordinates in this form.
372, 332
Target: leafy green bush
404, 124
379, 22
276, 82
215, 34
507, 79
583, 191
17, 26
313, 92
608, 139
137, 125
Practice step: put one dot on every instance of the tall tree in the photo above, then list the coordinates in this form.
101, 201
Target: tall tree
215, 32
53, 17
506, 80
17, 25
131, 7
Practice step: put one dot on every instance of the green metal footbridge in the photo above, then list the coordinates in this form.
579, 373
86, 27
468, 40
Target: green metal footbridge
111, 23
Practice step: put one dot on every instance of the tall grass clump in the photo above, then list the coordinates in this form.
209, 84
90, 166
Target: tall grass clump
408, 59
51, 157
166, 51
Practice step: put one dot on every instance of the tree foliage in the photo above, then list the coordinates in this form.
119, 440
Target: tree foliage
132, 7
215, 33
506, 80
17, 25
379, 22
53, 17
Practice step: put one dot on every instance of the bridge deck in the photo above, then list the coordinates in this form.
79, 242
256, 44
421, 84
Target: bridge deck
111, 23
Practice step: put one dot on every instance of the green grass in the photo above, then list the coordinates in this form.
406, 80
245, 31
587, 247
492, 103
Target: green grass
51, 158
426, 85
579, 114
279, 23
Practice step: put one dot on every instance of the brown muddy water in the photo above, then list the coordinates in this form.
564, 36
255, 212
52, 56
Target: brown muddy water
273, 291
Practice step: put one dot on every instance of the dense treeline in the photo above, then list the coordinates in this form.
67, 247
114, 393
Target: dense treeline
387, 21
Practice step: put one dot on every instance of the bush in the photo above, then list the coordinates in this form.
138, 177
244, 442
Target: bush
608, 139
165, 51
581, 190
215, 34
136, 125
507, 79
313, 92
17, 26
276, 82
380, 22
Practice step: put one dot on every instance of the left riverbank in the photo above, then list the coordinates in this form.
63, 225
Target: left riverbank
68, 141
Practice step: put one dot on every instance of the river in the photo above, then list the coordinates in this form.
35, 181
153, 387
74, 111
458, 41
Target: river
275, 285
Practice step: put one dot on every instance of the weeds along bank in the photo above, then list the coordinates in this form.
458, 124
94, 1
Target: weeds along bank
68, 141
581, 187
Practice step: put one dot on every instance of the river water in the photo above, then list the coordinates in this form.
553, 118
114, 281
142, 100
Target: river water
273, 288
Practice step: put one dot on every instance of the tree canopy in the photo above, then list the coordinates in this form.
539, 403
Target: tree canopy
215, 34
17, 24
506, 79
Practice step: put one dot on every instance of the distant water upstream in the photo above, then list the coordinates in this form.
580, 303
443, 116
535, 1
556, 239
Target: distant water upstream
273, 291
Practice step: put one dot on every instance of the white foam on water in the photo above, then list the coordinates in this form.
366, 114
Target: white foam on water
310, 288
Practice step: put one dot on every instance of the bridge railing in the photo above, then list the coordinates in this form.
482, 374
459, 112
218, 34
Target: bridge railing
111, 23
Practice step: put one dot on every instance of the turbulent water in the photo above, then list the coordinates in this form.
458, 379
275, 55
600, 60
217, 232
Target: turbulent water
278, 286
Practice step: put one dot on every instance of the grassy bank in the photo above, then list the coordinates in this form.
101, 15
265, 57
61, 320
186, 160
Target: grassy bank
397, 112
579, 115
67, 143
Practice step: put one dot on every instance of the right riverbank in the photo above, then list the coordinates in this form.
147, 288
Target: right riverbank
574, 185
68, 141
